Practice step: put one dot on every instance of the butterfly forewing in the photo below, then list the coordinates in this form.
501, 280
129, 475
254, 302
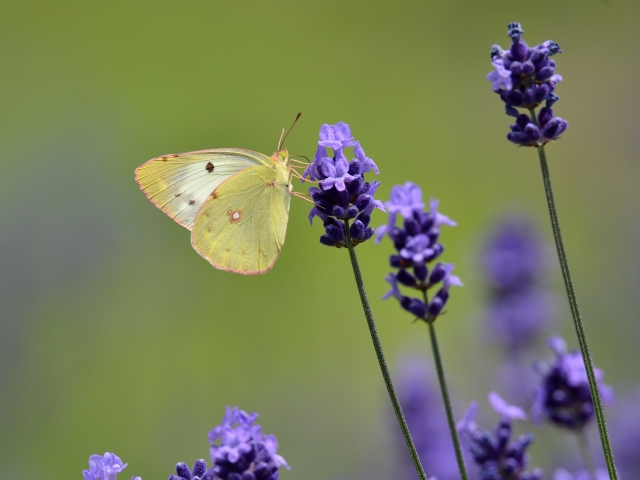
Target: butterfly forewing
242, 225
179, 184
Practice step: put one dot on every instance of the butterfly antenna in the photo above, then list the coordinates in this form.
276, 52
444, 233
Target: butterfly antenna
285, 135
302, 156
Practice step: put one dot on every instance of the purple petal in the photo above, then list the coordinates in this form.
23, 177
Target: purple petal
512, 412
468, 424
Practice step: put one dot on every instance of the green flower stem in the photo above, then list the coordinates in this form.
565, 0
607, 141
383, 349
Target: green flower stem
584, 452
575, 312
445, 395
379, 353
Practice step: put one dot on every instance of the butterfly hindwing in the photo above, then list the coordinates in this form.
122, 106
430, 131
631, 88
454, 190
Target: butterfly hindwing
179, 184
241, 227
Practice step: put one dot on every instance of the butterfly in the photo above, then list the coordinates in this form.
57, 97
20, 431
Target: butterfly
234, 201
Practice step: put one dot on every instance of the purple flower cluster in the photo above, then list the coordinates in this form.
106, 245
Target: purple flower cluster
243, 451
343, 195
525, 77
105, 467
417, 246
425, 416
513, 261
563, 395
496, 455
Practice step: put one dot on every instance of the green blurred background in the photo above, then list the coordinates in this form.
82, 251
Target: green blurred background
116, 336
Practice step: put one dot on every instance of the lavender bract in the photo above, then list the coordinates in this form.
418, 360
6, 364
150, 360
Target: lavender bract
563, 395
243, 451
495, 454
342, 195
105, 467
417, 246
525, 77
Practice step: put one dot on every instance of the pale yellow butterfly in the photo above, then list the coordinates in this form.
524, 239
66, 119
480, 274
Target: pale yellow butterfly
234, 201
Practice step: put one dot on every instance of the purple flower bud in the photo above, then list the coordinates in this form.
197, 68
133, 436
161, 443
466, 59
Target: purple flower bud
438, 273
551, 100
421, 271
554, 128
356, 230
352, 212
532, 132
515, 31
183, 471
405, 278
518, 138
544, 115
545, 73
517, 68
354, 167
414, 306
437, 303
355, 185
519, 51
512, 112
512, 97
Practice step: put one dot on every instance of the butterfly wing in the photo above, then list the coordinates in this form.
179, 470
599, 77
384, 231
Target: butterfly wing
180, 183
242, 225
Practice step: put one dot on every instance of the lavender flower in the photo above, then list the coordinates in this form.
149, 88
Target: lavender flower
343, 195
417, 245
525, 77
243, 452
514, 260
425, 416
564, 396
496, 455
106, 467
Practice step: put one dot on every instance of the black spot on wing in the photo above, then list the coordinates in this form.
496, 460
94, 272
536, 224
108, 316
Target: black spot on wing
209, 167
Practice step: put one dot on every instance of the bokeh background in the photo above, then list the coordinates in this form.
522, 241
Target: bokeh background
116, 336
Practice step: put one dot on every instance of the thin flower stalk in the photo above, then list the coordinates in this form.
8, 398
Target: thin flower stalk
417, 248
344, 202
525, 77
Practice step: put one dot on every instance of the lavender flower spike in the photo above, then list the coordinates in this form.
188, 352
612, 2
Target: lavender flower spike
563, 395
105, 467
417, 246
525, 77
343, 196
243, 451
495, 453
